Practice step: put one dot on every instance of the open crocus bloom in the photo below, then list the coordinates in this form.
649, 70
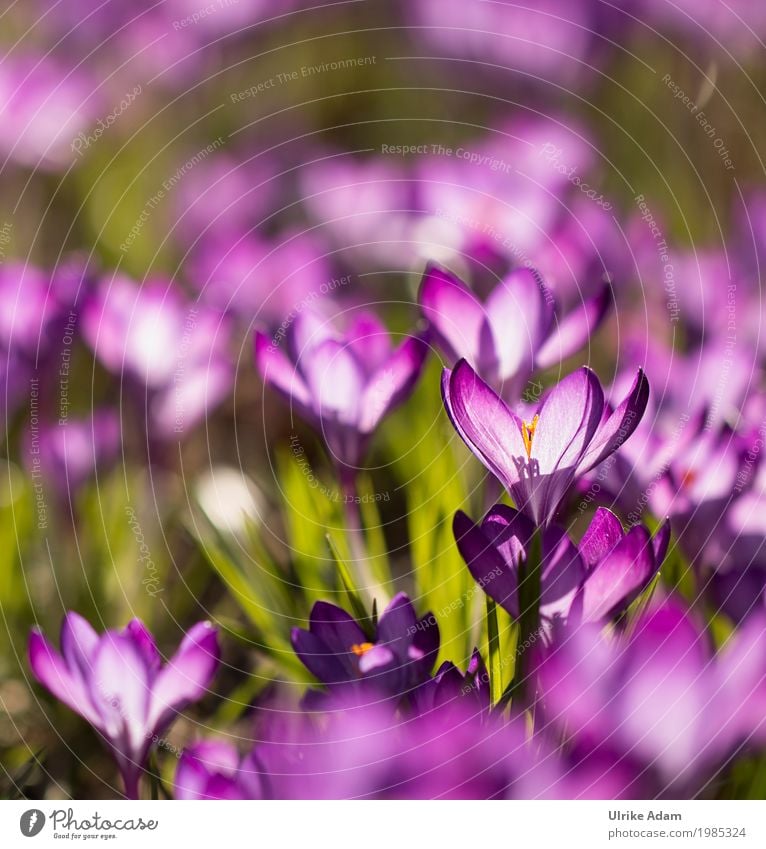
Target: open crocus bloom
344, 384
117, 682
513, 332
572, 431
398, 658
588, 582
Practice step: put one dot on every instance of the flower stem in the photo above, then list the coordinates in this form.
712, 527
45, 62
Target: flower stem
529, 609
355, 535
495, 665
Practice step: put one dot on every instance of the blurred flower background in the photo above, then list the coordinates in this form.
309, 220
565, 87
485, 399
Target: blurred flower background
239, 242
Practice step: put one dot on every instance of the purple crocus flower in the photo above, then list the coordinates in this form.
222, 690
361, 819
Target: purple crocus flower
344, 384
513, 332
588, 582
212, 769
175, 352
660, 698
117, 682
538, 460
395, 659
450, 686
67, 453
46, 105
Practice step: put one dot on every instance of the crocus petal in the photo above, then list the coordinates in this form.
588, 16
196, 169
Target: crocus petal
187, 674
562, 573
323, 664
120, 690
392, 382
574, 330
338, 630
485, 423
52, 672
613, 432
377, 657
144, 641
620, 576
660, 542
78, 644
454, 314
397, 624
604, 532
369, 339
335, 381
277, 371
490, 570
308, 331
517, 317
568, 420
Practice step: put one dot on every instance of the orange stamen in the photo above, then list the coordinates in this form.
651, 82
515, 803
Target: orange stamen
361, 648
527, 432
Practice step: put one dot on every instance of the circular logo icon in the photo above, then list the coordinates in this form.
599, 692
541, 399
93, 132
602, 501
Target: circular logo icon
32, 822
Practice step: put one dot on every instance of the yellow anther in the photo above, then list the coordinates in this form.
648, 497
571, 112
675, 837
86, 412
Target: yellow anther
361, 648
527, 432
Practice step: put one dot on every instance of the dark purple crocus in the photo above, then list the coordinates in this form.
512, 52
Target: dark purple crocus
344, 384
395, 660
118, 683
537, 460
450, 686
212, 769
512, 333
588, 582
661, 698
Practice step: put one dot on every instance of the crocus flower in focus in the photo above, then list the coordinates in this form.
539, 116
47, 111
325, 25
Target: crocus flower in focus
117, 682
212, 769
588, 582
395, 659
513, 333
659, 698
344, 384
538, 460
